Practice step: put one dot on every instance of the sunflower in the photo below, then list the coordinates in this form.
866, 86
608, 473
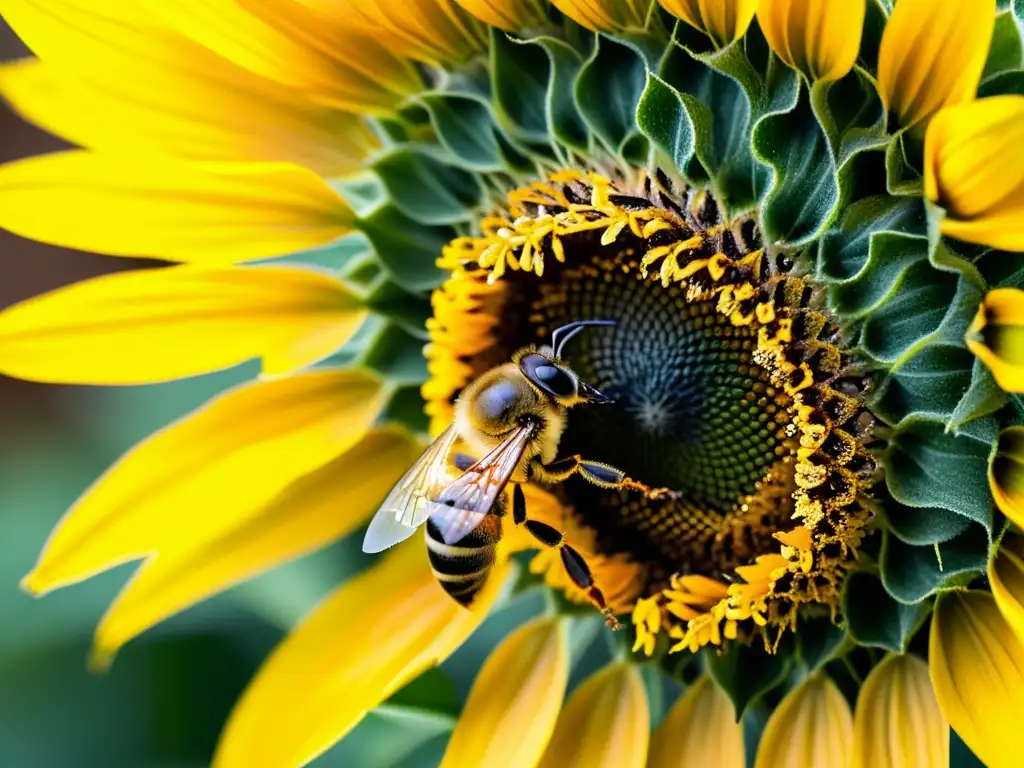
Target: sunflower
804, 218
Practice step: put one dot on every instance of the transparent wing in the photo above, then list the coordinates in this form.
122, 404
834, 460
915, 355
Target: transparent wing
409, 503
464, 502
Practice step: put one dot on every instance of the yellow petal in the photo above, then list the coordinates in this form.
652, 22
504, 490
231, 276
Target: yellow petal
373, 634
1006, 474
208, 472
812, 726
932, 56
898, 722
167, 95
821, 38
285, 41
605, 723
1006, 579
509, 15
607, 15
977, 670
511, 711
996, 336
721, 20
313, 511
208, 213
436, 31
155, 325
700, 730
974, 168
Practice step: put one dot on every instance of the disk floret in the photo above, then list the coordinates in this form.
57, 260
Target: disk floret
744, 376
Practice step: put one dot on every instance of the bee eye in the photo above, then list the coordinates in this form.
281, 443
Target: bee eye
553, 379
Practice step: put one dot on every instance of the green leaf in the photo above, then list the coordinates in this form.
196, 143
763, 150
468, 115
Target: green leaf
432, 691
847, 105
915, 308
871, 36
891, 255
932, 382
804, 192
1004, 83
405, 406
982, 398
427, 189
922, 526
338, 255
406, 248
873, 618
466, 128
845, 250
746, 672
519, 82
928, 467
720, 113
408, 311
901, 176
818, 641
910, 574
662, 118
1001, 269
1004, 51
608, 90
564, 121
397, 356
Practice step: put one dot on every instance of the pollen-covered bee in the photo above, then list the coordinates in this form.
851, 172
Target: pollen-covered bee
514, 416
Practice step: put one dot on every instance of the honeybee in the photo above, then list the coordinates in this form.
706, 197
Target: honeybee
514, 416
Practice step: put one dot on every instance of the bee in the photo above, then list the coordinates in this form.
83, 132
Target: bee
513, 416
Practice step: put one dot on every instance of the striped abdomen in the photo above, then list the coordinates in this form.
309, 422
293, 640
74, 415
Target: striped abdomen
462, 569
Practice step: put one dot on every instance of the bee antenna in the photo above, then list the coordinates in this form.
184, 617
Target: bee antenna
570, 330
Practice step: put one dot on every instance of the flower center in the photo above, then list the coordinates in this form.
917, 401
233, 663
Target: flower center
730, 390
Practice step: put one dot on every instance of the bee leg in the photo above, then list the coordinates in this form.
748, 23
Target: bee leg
596, 472
518, 504
575, 566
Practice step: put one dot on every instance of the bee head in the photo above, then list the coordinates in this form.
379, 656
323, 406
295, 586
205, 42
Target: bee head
557, 381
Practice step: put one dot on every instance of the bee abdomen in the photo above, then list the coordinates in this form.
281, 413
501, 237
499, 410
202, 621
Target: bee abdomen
461, 569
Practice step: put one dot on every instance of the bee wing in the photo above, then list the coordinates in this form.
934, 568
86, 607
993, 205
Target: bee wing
464, 502
409, 503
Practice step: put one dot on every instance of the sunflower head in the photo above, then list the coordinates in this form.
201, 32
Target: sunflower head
794, 229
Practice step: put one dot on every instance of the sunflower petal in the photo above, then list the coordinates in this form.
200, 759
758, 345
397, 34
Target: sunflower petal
207, 213
932, 56
1006, 577
371, 636
996, 336
184, 101
723, 21
821, 38
605, 723
313, 511
606, 15
701, 729
898, 722
512, 709
974, 168
208, 472
435, 31
977, 670
1006, 474
812, 726
155, 325
314, 47
509, 15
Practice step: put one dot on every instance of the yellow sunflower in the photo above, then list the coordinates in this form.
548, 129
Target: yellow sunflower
804, 218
